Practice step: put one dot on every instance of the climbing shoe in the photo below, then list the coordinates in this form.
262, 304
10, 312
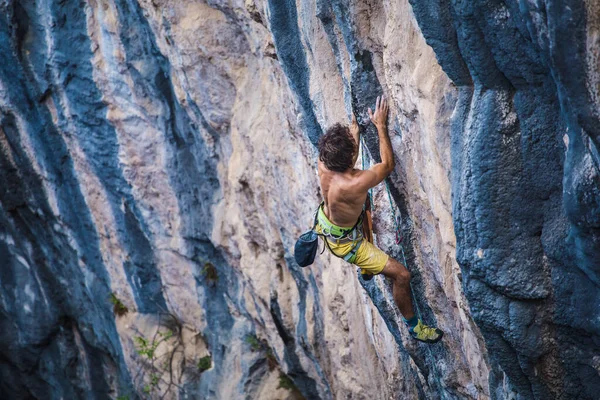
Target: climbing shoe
426, 334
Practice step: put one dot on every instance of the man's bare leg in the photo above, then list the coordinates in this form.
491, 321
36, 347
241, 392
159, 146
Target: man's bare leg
401, 291
401, 286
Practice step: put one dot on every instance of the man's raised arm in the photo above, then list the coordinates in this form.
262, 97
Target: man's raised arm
378, 172
355, 132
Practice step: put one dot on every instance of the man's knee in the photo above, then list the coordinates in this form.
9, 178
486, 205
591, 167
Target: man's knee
398, 272
404, 276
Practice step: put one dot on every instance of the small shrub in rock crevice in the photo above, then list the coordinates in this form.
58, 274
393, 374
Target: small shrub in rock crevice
118, 307
271, 360
204, 363
261, 345
157, 366
210, 273
254, 343
285, 382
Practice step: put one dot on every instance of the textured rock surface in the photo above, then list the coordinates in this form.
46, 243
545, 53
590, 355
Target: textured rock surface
162, 152
526, 207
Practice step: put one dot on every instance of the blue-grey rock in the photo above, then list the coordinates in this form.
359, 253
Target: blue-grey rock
161, 154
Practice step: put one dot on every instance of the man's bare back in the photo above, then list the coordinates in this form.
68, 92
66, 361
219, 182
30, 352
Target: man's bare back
343, 202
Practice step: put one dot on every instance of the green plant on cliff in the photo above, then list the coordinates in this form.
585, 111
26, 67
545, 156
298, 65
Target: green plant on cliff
156, 377
144, 347
261, 345
118, 306
254, 343
285, 382
204, 363
210, 273
271, 359
147, 348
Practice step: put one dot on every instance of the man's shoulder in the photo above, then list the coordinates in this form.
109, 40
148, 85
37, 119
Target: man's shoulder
355, 176
352, 183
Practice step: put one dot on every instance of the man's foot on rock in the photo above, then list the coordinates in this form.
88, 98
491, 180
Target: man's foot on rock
426, 334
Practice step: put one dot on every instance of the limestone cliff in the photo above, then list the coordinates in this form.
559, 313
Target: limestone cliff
157, 162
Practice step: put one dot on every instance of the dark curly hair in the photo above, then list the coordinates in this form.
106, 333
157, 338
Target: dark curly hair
337, 148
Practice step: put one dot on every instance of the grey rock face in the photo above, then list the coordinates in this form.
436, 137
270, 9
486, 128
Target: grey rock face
161, 154
525, 205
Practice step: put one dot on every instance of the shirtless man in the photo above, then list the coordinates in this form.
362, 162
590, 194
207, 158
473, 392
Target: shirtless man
344, 192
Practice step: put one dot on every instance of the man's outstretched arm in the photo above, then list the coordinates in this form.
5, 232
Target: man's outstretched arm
355, 132
378, 172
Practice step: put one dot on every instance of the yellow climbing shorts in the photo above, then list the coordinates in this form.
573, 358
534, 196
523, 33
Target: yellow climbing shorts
368, 257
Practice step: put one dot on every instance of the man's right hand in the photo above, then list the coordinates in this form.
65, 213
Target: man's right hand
377, 173
379, 118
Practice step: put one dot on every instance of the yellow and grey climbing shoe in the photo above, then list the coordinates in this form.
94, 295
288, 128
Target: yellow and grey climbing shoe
426, 334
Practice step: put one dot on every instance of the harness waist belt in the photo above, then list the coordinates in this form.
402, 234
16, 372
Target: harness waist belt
337, 233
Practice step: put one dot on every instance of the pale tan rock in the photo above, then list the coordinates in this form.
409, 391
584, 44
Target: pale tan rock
204, 77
